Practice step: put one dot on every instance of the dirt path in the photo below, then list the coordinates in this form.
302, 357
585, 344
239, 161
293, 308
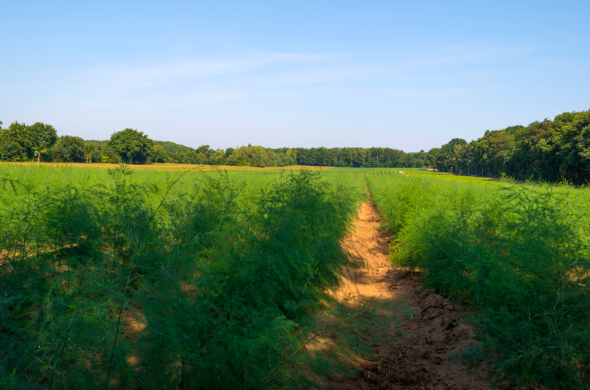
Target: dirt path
422, 360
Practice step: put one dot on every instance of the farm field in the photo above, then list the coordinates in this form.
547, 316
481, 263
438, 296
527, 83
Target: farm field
157, 278
108, 274
514, 256
160, 167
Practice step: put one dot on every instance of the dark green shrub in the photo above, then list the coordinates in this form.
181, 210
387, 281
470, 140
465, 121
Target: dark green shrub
209, 283
517, 256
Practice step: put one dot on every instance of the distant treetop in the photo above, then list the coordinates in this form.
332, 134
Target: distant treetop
132, 145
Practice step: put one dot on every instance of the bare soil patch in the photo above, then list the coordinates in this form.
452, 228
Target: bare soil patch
423, 359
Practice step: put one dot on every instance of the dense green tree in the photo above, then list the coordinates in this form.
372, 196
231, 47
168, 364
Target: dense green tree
69, 149
347, 156
228, 152
217, 157
572, 136
33, 140
106, 154
357, 158
171, 147
42, 137
409, 160
254, 156
432, 157
159, 155
284, 157
205, 149
535, 154
10, 150
549, 150
90, 150
132, 145
448, 158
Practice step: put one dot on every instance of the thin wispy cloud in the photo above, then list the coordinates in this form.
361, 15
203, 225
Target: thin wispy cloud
126, 75
403, 75
275, 91
222, 79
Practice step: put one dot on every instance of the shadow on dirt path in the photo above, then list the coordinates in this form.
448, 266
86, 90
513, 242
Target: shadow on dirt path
422, 360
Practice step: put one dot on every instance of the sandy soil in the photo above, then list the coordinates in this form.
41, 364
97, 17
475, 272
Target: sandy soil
436, 331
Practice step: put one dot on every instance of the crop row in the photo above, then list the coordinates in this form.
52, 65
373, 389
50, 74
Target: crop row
121, 279
514, 256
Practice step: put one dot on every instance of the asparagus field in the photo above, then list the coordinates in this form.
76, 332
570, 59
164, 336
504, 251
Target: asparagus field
516, 256
121, 278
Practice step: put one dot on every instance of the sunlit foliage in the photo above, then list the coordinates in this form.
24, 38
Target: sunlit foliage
134, 279
517, 257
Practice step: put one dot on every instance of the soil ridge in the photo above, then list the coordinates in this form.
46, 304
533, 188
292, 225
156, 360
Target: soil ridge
437, 331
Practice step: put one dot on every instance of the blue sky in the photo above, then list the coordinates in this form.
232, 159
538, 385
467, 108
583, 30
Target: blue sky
406, 75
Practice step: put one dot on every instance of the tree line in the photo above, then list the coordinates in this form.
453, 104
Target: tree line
548, 150
40, 142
